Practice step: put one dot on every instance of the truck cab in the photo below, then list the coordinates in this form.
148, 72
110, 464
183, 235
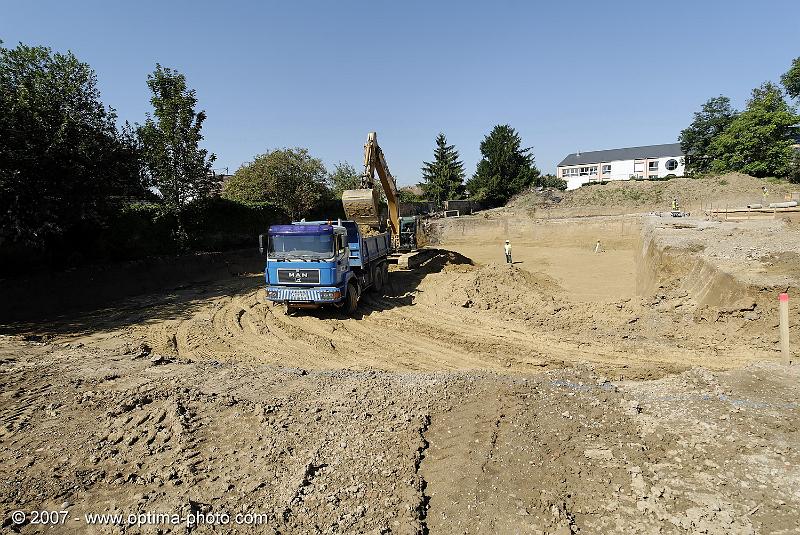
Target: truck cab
311, 264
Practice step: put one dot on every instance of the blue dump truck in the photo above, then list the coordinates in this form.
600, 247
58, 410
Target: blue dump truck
311, 264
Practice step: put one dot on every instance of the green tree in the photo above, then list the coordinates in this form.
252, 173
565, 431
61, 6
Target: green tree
64, 165
289, 178
759, 141
343, 177
407, 195
505, 168
443, 178
791, 80
712, 119
170, 140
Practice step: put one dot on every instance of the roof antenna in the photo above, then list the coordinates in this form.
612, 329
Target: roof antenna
578, 154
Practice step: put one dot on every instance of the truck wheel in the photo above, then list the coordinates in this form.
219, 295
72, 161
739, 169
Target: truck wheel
385, 274
377, 279
351, 299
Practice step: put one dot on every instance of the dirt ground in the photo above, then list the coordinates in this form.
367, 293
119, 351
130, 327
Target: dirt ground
625, 197
634, 390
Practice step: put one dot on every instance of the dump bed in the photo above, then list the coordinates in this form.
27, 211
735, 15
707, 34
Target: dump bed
374, 247
366, 249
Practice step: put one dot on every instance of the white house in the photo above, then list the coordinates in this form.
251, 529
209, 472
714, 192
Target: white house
652, 161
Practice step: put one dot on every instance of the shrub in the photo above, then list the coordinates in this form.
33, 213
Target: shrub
794, 169
551, 181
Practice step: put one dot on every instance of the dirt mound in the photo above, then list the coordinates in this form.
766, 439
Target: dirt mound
504, 288
627, 196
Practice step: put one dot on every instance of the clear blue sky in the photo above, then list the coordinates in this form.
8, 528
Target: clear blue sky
567, 75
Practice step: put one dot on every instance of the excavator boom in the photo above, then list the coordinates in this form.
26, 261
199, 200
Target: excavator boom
363, 205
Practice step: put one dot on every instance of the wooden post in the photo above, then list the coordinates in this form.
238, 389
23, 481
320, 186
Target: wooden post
783, 310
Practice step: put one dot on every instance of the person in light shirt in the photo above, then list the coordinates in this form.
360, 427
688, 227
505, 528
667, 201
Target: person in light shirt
508, 252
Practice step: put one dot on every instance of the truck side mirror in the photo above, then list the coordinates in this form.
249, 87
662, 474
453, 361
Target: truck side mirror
261, 248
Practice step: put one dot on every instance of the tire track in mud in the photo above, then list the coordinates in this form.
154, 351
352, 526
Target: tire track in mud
461, 442
422, 339
447, 315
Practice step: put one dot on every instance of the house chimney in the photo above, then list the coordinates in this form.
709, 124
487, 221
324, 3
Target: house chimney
578, 154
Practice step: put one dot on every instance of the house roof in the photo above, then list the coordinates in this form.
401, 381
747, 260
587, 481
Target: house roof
631, 153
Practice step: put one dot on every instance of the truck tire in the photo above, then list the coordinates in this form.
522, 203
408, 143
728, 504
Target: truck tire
385, 274
351, 299
378, 279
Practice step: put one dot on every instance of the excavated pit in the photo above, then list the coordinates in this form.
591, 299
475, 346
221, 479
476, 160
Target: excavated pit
573, 391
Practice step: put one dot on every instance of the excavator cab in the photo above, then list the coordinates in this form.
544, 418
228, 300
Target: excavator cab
409, 240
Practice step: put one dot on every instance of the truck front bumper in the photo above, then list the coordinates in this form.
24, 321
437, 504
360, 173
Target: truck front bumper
318, 295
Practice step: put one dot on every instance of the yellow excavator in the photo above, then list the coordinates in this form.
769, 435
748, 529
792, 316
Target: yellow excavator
363, 205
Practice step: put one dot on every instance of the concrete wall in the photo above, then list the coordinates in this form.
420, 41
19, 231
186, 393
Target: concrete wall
415, 208
464, 206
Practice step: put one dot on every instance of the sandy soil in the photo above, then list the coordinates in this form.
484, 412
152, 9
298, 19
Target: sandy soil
625, 197
610, 276
548, 396
565, 451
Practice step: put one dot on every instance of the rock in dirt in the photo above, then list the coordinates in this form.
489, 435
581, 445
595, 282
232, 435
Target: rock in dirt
600, 455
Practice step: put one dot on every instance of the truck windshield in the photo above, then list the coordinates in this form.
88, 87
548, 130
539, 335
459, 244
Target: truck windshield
301, 245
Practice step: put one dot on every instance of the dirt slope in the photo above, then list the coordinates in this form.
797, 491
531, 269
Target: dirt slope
621, 197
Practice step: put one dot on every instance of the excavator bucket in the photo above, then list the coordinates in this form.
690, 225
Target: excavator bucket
362, 206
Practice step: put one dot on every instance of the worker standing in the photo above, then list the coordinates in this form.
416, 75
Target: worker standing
675, 204
764, 193
508, 252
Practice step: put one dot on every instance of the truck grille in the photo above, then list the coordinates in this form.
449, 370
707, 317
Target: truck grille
296, 294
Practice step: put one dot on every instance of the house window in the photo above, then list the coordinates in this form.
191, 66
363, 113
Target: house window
607, 169
638, 167
570, 172
671, 165
652, 166
586, 171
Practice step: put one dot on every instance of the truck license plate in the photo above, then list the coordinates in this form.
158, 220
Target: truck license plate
299, 295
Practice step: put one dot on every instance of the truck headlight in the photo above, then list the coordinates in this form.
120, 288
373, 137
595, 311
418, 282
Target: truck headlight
330, 296
272, 294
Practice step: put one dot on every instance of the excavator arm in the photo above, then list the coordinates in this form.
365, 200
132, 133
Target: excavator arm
363, 205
